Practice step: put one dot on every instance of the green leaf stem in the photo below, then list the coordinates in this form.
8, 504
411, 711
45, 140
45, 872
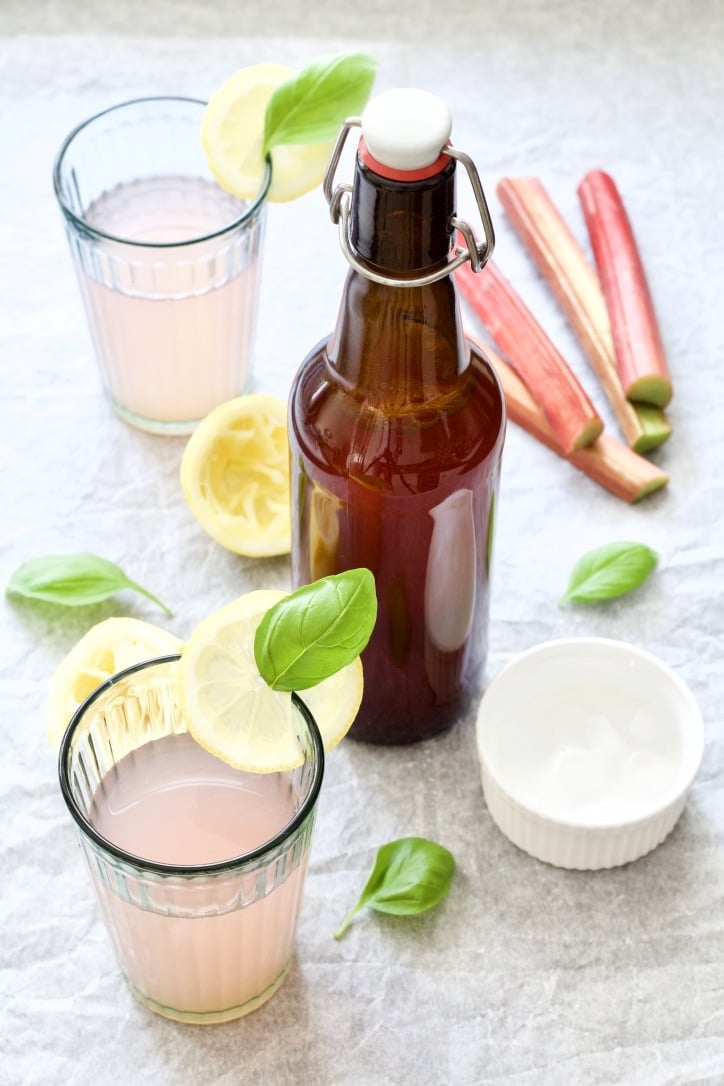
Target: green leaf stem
73, 580
409, 876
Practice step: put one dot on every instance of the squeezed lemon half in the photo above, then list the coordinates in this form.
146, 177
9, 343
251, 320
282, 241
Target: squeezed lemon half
108, 647
235, 475
230, 710
232, 134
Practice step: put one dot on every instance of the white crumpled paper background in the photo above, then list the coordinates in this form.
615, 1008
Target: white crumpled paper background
526, 975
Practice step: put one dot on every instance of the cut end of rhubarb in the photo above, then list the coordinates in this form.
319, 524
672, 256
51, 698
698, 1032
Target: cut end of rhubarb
654, 427
658, 482
650, 389
589, 433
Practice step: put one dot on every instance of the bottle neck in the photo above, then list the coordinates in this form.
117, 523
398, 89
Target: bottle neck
402, 227
398, 345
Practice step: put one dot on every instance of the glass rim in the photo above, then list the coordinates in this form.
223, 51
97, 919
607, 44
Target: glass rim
82, 224
189, 870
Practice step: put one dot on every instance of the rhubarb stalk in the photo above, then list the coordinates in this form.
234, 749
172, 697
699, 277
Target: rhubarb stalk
608, 461
640, 355
574, 283
571, 415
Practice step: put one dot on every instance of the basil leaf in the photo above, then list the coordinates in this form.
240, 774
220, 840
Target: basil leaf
72, 580
409, 876
609, 571
315, 631
310, 107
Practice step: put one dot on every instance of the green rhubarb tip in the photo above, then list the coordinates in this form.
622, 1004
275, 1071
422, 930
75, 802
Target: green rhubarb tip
654, 390
658, 483
655, 427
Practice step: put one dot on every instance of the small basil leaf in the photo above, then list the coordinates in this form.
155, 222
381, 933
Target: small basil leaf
609, 571
310, 107
312, 633
72, 580
409, 876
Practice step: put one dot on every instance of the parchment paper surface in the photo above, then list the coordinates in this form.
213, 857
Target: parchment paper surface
526, 975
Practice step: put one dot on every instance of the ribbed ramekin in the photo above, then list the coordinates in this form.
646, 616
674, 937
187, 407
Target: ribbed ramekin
624, 727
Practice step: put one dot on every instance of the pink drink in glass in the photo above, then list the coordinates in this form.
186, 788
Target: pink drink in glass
199, 868
172, 802
173, 327
168, 262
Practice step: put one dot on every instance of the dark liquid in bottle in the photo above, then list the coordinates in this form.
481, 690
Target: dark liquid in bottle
410, 496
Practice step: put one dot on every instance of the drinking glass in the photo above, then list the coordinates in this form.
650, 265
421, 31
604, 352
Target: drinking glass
168, 262
202, 927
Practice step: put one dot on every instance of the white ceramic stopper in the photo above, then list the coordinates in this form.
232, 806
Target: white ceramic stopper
406, 129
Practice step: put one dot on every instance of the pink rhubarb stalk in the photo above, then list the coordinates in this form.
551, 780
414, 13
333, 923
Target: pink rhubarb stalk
571, 415
574, 283
607, 461
640, 355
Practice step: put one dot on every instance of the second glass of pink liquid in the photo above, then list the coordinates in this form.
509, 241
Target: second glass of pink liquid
198, 867
168, 262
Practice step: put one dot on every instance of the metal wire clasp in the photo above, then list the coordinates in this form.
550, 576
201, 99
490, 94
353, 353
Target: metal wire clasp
339, 200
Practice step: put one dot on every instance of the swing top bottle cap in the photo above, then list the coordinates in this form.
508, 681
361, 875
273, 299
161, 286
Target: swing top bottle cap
405, 130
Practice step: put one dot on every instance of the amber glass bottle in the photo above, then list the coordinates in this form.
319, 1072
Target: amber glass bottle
396, 430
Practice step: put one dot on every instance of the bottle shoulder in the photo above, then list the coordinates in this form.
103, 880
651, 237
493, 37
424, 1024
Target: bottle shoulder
344, 429
319, 379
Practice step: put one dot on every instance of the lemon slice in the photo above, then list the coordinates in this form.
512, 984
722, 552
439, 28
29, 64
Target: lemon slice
231, 711
235, 475
232, 132
108, 647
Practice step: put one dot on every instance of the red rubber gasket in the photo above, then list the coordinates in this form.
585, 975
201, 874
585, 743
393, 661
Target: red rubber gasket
400, 175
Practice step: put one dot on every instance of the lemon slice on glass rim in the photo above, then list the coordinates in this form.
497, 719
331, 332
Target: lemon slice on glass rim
230, 710
108, 647
235, 475
232, 134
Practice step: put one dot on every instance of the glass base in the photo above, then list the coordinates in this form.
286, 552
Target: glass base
210, 1018
153, 426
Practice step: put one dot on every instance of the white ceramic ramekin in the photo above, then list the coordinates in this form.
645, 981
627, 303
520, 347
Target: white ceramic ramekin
588, 748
